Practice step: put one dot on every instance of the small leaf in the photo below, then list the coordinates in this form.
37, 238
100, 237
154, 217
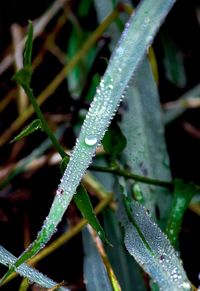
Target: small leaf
183, 193
95, 275
83, 203
173, 62
23, 76
114, 141
33, 126
28, 46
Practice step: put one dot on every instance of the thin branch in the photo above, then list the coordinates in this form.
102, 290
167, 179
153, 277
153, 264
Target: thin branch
129, 175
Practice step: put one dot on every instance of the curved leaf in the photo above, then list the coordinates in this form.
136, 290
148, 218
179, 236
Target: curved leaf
7, 259
95, 274
159, 259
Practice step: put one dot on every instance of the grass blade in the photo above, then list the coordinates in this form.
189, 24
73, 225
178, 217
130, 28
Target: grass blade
143, 129
7, 259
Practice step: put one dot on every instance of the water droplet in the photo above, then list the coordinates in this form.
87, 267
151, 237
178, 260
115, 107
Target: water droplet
90, 140
186, 286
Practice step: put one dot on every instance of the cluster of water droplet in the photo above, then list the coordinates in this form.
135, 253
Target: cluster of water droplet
162, 264
122, 66
33, 275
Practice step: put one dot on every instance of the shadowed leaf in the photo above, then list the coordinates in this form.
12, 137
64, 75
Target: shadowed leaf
33, 126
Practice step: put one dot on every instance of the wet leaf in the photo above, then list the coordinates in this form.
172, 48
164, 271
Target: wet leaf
152, 250
7, 259
135, 40
142, 126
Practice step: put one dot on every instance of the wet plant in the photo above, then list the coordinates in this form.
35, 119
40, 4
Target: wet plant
140, 181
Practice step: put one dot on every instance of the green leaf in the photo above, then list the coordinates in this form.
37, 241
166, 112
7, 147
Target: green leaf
23, 76
28, 46
152, 250
183, 194
83, 203
126, 269
142, 126
7, 259
82, 200
173, 62
78, 75
84, 7
95, 275
63, 163
33, 126
114, 141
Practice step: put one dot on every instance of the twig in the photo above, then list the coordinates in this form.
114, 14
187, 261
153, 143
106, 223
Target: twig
16, 33
129, 175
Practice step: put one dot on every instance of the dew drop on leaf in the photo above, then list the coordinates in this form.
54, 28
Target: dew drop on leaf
90, 140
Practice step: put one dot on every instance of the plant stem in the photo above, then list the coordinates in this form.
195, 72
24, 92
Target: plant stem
129, 175
49, 90
45, 126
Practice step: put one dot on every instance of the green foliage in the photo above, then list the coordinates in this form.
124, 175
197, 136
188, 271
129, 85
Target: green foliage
6, 258
28, 46
94, 270
32, 127
173, 61
135, 144
82, 201
183, 194
114, 141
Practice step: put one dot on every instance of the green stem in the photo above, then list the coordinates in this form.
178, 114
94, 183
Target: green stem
45, 126
127, 174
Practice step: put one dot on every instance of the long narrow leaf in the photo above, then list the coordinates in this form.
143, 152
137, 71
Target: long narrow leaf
7, 259
143, 129
95, 275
